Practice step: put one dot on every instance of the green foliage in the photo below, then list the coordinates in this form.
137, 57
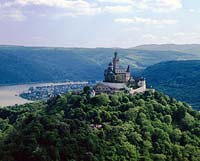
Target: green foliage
86, 89
120, 127
179, 79
100, 100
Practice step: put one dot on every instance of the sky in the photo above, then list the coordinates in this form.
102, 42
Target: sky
99, 23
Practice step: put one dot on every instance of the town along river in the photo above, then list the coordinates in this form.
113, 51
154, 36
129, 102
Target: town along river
9, 95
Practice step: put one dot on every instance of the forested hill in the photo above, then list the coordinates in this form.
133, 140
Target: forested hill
37, 64
180, 79
149, 126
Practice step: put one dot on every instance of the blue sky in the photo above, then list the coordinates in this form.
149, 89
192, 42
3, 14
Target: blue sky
99, 23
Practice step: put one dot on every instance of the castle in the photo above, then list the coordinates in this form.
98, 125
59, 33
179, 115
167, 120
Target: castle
116, 74
118, 79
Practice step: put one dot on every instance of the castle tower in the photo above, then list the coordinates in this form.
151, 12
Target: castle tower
128, 69
110, 66
142, 83
115, 62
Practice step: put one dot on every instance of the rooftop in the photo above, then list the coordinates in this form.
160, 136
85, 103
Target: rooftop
114, 85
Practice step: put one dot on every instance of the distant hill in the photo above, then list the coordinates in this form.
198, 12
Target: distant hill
20, 64
180, 79
186, 48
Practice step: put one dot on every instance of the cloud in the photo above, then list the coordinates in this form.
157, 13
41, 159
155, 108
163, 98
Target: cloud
160, 5
12, 14
70, 7
131, 29
118, 9
194, 11
176, 38
116, 1
146, 21
182, 37
18, 10
153, 5
149, 37
50, 3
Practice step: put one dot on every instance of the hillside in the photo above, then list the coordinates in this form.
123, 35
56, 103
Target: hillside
185, 48
180, 79
149, 126
37, 64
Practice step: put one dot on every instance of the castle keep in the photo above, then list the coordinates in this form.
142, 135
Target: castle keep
114, 73
118, 79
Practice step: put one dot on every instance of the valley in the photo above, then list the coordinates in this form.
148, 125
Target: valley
178, 77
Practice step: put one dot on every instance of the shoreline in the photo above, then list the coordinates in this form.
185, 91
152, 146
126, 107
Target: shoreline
10, 94
30, 83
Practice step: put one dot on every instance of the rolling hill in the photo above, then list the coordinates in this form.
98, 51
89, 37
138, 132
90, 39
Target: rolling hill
180, 79
120, 127
186, 48
20, 64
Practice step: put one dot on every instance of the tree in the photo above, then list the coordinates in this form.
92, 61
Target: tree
168, 119
86, 89
74, 127
100, 100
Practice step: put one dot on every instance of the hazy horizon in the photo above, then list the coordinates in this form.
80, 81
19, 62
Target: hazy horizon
93, 47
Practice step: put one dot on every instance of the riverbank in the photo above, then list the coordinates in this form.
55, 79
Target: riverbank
9, 95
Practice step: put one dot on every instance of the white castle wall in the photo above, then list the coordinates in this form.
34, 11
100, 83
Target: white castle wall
141, 89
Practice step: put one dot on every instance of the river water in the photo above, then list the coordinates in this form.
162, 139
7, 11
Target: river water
9, 95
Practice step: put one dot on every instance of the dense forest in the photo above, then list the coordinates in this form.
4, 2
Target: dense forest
179, 79
120, 127
20, 64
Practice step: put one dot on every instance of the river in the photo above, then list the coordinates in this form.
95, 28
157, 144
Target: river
9, 95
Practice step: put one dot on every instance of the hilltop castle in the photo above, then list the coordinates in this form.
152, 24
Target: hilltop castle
118, 79
116, 74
